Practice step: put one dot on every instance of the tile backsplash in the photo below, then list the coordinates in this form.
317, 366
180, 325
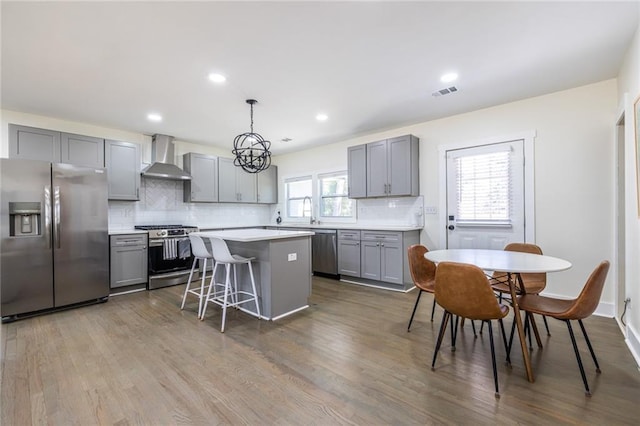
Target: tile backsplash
401, 211
161, 203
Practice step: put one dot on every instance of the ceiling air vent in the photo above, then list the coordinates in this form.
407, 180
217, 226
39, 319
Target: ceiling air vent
445, 91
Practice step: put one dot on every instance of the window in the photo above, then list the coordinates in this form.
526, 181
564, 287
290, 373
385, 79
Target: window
297, 189
483, 187
333, 195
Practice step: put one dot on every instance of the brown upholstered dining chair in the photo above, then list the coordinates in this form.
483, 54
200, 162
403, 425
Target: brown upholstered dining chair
566, 310
423, 274
533, 283
464, 290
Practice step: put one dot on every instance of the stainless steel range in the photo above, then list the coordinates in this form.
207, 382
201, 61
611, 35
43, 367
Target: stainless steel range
170, 256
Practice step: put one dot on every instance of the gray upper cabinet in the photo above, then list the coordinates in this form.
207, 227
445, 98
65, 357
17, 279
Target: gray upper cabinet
122, 160
30, 143
386, 168
357, 164
268, 185
203, 186
392, 167
234, 184
82, 150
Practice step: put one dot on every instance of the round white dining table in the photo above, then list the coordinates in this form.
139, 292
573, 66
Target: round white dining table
510, 262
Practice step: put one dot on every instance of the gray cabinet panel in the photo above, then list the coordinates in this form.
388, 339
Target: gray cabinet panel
235, 185
30, 143
227, 181
268, 185
391, 168
377, 169
357, 166
203, 186
391, 262
246, 186
122, 160
129, 259
82, 150
349, 257
370, 260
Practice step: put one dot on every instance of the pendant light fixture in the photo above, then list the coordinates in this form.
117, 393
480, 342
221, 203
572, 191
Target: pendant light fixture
251, 151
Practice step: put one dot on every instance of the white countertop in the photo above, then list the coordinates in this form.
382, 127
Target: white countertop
253, 234
356, 226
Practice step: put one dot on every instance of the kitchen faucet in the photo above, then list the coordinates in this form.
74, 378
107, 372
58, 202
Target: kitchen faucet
312, 220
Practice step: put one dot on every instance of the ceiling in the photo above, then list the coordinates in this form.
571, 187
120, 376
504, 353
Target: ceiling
369, 66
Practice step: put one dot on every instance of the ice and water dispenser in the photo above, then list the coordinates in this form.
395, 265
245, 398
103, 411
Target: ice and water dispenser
25, 219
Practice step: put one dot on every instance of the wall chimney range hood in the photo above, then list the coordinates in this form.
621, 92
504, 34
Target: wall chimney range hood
162, 166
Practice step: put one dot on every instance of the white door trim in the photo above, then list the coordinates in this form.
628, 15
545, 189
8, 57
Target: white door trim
529, 199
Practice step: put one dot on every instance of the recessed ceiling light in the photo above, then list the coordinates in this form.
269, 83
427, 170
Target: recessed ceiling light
154, 117
217, 78
449, 77
322, 117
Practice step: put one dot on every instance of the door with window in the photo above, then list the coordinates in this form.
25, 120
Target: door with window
485, 196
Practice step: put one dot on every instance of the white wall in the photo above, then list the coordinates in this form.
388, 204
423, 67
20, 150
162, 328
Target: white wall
573, 171
628, 92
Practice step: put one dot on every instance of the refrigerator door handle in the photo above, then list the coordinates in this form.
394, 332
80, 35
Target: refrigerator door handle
56, 213
47, 214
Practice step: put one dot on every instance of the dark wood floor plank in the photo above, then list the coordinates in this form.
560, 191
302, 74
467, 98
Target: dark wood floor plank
347, 359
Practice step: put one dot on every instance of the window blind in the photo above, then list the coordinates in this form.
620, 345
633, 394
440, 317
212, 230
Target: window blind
484, 187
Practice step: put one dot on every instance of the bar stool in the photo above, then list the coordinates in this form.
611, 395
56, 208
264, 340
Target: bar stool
231, 295
200, 252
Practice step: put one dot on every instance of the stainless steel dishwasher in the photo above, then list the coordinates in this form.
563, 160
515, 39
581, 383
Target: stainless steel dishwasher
324, 251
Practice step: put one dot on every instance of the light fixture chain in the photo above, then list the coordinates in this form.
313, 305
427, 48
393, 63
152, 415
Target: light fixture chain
251, 118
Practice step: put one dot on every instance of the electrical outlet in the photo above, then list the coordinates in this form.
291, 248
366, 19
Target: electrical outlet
292, 256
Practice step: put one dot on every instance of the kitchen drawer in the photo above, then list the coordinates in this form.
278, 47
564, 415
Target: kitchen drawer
128, 240
381, 236
348, 235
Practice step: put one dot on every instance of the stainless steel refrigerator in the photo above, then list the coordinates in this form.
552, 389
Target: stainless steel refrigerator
54, 246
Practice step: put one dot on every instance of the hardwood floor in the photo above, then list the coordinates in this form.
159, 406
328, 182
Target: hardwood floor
348, 359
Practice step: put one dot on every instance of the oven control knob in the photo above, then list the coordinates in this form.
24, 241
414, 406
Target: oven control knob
162, 233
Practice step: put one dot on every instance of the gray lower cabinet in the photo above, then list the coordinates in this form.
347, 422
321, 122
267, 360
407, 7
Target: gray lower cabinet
376, 257
234, 184
81, 150
349, 253
129, 260
203, 186
122, 160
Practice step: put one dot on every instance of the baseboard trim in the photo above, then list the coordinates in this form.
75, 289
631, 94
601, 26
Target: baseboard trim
633, 342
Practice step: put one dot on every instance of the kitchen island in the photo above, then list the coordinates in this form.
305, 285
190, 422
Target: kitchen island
282, 267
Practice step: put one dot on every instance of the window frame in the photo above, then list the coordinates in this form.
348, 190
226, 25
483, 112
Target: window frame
288, 199
345, 195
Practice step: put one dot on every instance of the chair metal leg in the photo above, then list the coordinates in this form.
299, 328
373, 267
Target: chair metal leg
443, 330
212, 285
513, 329
493, 358
227, 290
433, 308
473, 327
253, 287
527, 332
504, 340
416, 307
593, 354
544, 318
454, 333
575, 349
